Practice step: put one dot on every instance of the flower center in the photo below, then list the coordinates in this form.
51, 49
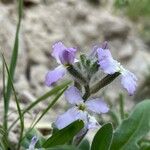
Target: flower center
81, 106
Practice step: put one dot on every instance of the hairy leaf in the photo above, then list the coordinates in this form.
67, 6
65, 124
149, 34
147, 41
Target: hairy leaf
132, 129
103, 138
64, 135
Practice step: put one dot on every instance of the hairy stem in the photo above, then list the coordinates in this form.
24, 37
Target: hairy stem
87, 92
75, 73
102, 83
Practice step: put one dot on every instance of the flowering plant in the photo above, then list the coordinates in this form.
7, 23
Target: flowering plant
85, 109
81, 117
115, 129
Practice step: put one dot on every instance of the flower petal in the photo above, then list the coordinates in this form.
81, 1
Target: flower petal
92, 123
106, 62
63, 54
129, 81
73, 95
67, 57
54, 75
103, 54
97, 105
70, 116
58, 48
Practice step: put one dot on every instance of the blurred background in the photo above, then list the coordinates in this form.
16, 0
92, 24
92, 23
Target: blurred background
125, 24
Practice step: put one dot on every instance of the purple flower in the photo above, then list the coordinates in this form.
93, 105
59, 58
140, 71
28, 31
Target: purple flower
128, 80
64, 56
33, 143
80, 109
110, 66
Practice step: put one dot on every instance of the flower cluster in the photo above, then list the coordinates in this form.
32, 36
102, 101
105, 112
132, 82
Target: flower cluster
83, 106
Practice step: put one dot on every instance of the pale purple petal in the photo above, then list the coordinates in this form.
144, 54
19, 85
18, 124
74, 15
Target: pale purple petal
92, 123
65, 119
72, 50
33, 143
54, 75
129, 81
63, 54
109, 66
106, 62
96, 47
67, 57
58, 48
73, 95
70, 116
82, 115
103, 54
97, 105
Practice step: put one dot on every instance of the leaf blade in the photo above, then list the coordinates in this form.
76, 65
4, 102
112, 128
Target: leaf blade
64, 135
103, 138
133, 128
17, 104
13, 63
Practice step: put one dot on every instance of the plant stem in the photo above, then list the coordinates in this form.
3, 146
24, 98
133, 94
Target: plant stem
121, 103
77, 85
75, 73
115, 117
105, 81
87, 92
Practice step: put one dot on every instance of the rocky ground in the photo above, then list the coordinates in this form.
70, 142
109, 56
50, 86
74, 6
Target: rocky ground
76, 23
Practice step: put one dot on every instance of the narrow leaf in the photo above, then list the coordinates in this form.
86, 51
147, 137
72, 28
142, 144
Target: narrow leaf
17, 104
3, 139
50, 105
64, 135
85, 145
103, 138
13, 63
63, 147
42, 98
46, 110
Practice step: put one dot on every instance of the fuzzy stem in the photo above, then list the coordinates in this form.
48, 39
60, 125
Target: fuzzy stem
77, 85
121, 104
75, 73
105, 81
87, 92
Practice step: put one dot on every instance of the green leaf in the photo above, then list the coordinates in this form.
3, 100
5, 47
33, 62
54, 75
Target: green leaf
3, 139
64, 135
50, 106
13, 63
17, 104
145, 146
103, 138
63, 147
85, 145
132, 129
